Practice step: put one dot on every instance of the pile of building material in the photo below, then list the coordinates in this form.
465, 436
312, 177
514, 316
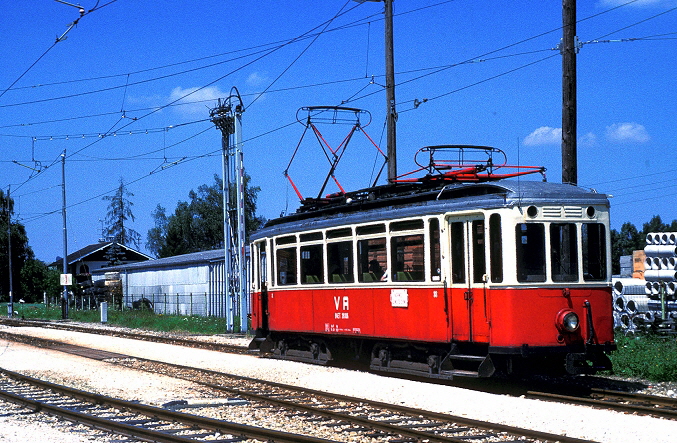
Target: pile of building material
642, 303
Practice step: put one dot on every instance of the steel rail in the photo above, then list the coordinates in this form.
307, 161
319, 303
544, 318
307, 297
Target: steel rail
623, 407
447, 418
221, 347
488, 426
211, 424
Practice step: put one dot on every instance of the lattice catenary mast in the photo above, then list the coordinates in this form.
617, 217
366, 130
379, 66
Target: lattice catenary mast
227, 117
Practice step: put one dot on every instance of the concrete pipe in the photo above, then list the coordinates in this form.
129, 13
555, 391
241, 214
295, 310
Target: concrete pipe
648, 263
638, 320
660, 250
648, 288
626, 321
670, 306
663, 238
668, 262
617, 319
650, 316
629, 286
660, 274
619, 304
656, 263
652, 238
636, 304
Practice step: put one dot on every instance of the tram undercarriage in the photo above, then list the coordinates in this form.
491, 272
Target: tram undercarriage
432, 360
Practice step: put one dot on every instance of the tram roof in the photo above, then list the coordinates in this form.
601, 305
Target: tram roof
405, 200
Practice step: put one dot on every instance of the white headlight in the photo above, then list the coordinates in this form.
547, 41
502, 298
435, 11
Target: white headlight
570, 322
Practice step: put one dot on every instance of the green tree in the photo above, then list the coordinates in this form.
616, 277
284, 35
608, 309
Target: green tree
37, 279
155, 239
21, 251
115, 255
623, 243
197, 225
654, 225
120, 215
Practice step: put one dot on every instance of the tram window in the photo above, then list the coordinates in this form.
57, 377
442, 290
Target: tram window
458, 252
313, 236
372, 260
563, 252
340, 262
286, 266
285, 240
407, 258
339, 233
371, 229
530, 245
478, 253
594, 251
261, 262
435, 259
407, 225
495, 248
273, 278
312, 264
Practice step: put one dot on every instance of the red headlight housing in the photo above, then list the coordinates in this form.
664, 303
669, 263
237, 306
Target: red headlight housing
567, 321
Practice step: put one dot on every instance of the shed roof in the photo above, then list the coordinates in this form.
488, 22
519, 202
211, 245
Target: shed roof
175, 261
91, 252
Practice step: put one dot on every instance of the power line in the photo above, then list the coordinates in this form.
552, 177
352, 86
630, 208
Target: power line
58, 39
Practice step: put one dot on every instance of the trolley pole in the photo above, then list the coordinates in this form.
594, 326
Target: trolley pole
569, 48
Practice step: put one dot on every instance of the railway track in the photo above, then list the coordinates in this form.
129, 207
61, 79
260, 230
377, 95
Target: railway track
619, 401
352, 418
220, 347
131, 419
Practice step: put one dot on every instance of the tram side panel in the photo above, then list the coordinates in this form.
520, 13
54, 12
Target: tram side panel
416, 314
411, 313
529, 316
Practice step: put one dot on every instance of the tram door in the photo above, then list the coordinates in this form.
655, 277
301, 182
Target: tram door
468, 278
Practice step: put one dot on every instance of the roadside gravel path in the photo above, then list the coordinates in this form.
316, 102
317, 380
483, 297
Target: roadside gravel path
104, 378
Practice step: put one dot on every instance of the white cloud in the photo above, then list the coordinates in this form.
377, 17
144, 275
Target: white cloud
196, 101
588, 140
627, 132
255, 80
545, 135
638, 3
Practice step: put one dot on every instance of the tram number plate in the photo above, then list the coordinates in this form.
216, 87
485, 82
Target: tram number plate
399, 298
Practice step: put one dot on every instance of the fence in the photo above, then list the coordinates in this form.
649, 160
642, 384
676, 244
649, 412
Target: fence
213, 303
168, 304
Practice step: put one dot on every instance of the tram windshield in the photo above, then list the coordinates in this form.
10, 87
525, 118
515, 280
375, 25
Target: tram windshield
563, 249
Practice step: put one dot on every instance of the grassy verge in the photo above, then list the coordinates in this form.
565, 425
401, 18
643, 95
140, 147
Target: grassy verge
128, 318
648, 356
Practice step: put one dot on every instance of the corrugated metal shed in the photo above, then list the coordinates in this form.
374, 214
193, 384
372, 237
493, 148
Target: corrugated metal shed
189, 284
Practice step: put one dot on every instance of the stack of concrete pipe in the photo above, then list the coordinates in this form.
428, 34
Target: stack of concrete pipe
631, 304
638, 302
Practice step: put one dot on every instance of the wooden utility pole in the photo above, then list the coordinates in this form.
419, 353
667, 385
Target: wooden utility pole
390, 92
569, 48
391, 117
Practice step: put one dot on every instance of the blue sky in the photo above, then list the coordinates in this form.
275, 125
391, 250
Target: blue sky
489, 70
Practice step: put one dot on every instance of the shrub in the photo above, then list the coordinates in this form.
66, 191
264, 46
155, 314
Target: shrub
646, 356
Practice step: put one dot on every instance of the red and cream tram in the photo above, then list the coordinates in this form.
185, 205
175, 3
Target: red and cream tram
459, 273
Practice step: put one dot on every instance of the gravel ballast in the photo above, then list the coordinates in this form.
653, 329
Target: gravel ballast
104, 378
